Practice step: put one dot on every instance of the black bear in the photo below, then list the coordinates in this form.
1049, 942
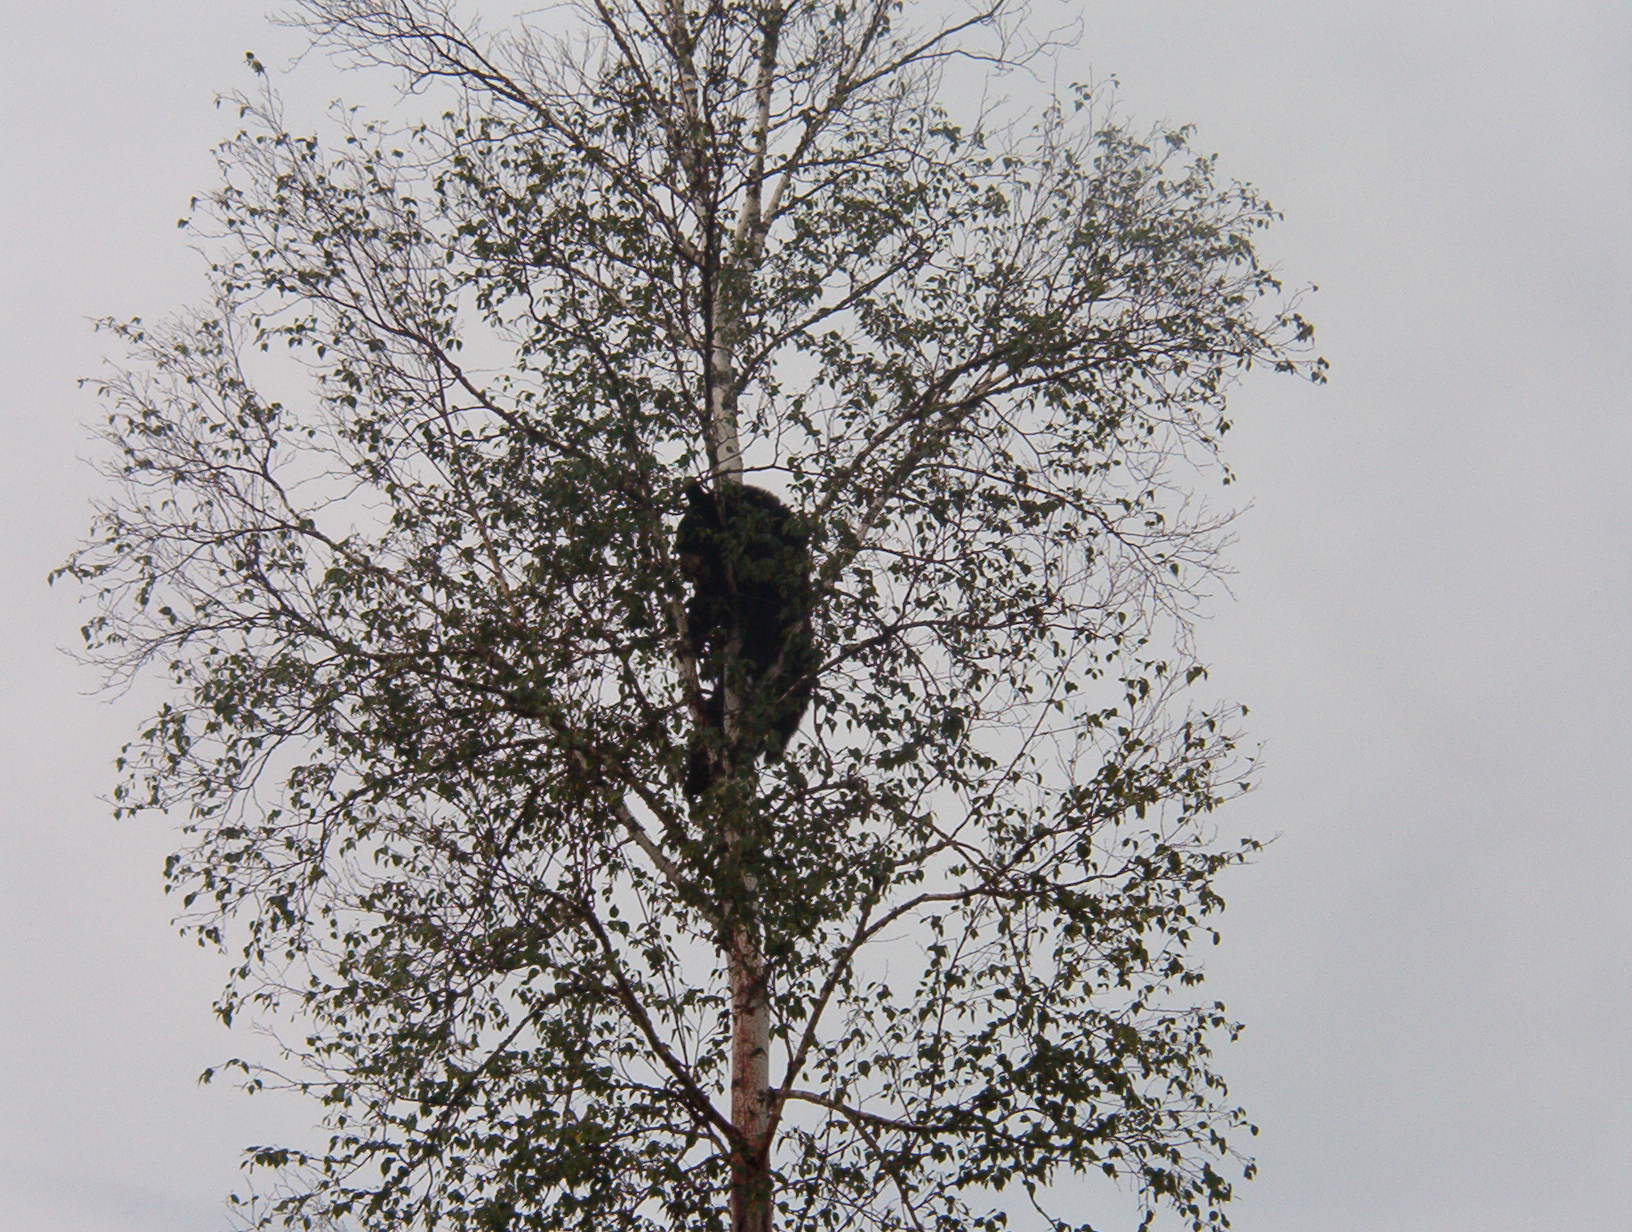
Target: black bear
747, 556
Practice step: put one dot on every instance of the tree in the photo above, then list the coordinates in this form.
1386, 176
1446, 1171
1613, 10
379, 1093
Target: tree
394, 512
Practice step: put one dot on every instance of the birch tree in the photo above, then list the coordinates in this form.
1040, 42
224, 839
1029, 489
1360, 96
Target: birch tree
393, 513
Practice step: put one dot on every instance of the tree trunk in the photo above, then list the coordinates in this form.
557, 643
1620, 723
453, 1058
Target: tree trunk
751, 1196
725, 447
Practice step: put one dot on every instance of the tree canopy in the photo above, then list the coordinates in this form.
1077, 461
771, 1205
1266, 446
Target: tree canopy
394, 510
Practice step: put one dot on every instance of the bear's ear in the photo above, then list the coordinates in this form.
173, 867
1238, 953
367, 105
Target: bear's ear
697, 496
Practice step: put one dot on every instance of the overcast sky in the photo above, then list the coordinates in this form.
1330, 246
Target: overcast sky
1429, 622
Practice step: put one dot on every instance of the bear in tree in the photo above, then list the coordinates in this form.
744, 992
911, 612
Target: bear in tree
747, 558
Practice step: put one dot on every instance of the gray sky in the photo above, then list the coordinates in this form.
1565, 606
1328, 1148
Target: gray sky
1429, 619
